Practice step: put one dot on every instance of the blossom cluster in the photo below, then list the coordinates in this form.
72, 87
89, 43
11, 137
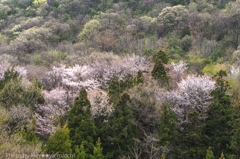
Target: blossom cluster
192, 94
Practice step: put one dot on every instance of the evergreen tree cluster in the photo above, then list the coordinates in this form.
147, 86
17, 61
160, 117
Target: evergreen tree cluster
215, 136
210, 137
112, 39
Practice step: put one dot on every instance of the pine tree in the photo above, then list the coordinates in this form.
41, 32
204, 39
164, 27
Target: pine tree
97, 152
119, 130
209, 154
160, 55
159, 72
235, 142
194, 143
127, 82
218, 127
114, 90
80, 124
139, 77
59, 142
168, 128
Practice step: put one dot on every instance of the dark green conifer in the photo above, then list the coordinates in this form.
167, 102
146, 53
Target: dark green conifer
160, 55
59, 143
127, 82
218, 127
235, 142
168, 127
120, 130
194, 142
159, 72
80, 124
114, 90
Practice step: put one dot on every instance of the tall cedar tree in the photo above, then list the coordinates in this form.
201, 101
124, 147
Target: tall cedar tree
59, 143
114, 90
80, 124
168, 128
194, 143
235, 143
119, 130
143, 114
159, 72
218, 127
160, 55
127, 82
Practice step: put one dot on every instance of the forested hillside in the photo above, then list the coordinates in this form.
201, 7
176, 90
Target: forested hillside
120, 79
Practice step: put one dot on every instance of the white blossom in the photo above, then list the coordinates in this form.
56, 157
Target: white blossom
193, 94
104, 71
179, 69
234, 72
64, 83
53, 78
3, 68
99, 103
22, 71
57, 103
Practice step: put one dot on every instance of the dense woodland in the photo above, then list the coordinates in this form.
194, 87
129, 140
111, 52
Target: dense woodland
120, 79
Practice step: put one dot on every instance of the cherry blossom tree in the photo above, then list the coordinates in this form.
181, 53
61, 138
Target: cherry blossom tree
71, 78
104, 71
3, 68
193, 94
179, 69
175, 72
57, 104
93, 75
99, 103
234, 72
64, 83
